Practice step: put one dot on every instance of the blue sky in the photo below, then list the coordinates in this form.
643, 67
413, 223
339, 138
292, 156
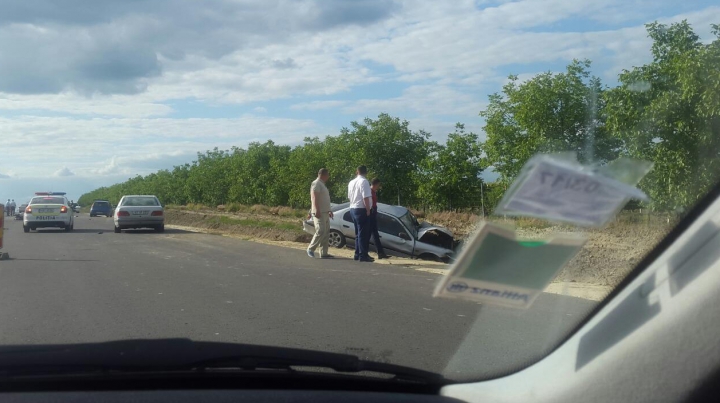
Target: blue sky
92, 93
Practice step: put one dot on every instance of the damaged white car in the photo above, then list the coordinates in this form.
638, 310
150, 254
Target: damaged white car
400, 233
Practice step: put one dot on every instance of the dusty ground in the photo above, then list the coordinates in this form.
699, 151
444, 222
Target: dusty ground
608, 256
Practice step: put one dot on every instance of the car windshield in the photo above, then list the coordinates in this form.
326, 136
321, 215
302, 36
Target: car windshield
47, 200
410, 222
140, 201
290, 146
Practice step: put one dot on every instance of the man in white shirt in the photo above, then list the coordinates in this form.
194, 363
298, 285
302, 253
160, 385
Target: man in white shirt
360, 197
321, 213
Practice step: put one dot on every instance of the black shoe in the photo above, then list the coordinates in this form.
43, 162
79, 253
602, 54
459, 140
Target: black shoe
327, 257
366, 259
383, 256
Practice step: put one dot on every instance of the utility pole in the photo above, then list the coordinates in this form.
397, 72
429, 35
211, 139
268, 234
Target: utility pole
482, 200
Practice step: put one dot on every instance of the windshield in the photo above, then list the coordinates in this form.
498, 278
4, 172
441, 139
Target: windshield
280, 157
410, 222
140, 201
47, 200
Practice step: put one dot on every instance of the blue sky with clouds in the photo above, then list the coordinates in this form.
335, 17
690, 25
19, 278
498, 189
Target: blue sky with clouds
92, 93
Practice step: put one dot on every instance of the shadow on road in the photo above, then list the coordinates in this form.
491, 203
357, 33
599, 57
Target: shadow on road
152, 231
106, 231
75, 231
56, 260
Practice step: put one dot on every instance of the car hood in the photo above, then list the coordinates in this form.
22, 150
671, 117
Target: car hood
425, 227
436, 235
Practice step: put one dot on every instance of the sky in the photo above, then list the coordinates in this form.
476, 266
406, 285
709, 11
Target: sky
93, 93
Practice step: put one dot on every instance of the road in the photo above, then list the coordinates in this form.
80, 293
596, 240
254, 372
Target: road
94, 285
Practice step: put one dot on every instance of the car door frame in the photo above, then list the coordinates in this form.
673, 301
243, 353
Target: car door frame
394, 238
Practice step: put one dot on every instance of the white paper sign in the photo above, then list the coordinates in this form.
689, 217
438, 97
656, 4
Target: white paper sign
560, 192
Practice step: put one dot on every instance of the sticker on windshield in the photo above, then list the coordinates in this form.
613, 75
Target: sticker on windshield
557, 188
498, 269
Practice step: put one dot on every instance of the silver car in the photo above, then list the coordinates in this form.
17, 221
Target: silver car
139, 211
400, 233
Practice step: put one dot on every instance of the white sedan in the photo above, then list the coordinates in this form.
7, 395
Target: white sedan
139, 211
48, 210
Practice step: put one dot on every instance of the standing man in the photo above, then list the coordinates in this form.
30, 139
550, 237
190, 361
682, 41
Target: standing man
375, 185
12, 207
321, 213
360, 197
7, 208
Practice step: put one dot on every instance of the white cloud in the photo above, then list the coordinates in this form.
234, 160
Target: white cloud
317, 105
3, 176
110, 168
64, 171
423, 99
260, 109
129, 145
71, 103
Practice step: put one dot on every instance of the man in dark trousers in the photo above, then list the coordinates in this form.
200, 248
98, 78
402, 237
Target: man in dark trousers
375, 185
360, 197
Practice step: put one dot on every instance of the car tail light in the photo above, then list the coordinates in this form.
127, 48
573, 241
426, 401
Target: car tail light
123, 214
63, 209
157, 213
28, 210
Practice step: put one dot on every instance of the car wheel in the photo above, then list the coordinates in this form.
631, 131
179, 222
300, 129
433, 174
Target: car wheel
160, 228
67, 228
117, 229
91, 215
26, 228
336, 238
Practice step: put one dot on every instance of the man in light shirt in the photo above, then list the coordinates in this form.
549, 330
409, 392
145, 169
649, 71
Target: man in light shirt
360, 197
321, 213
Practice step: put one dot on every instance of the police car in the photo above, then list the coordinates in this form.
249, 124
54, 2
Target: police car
47, 210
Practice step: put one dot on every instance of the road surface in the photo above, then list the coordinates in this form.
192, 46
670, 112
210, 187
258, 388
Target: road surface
93, 285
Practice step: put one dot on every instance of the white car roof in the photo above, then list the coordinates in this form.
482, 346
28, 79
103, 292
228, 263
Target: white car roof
397, 211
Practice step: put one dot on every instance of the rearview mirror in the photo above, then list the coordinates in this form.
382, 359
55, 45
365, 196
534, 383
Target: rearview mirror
404, 236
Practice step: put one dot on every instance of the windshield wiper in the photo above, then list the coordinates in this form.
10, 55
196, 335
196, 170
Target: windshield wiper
169, 355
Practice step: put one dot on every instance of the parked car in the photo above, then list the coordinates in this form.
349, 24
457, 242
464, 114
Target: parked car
400, 232
20, 211
139, 211
101, 207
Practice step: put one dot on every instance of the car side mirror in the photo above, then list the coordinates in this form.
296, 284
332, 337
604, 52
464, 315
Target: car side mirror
404, 236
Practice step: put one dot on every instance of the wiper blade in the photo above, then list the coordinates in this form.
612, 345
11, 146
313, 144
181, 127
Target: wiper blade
185, 355
339, 363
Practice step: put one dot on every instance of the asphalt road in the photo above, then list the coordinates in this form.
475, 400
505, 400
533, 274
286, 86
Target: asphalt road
94, 285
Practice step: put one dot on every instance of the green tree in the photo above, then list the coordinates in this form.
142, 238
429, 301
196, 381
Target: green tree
449, 176
389, 149
551, 112
668, 112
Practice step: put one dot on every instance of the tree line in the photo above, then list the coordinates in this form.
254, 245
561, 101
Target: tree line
667, 111
414, 169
